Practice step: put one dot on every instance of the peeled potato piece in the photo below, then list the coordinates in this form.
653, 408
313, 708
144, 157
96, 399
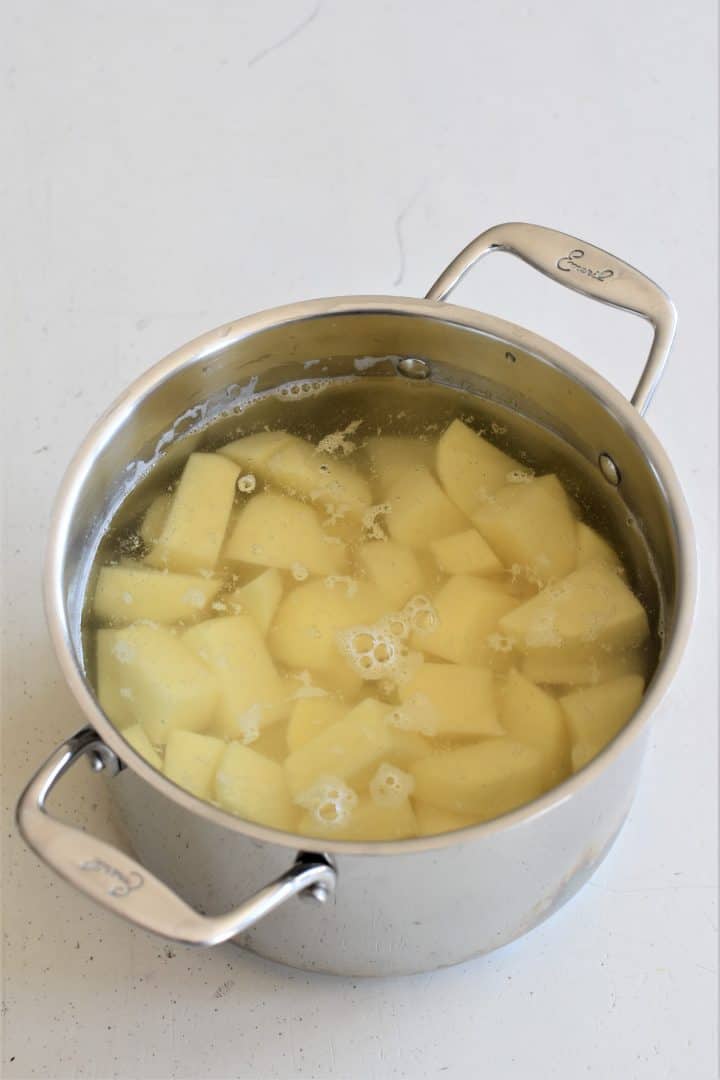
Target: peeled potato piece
468, 610
259, 598
470, 468
154, 519
597, 714
126, 594
139, 741
254, 787
367, 821
431, 821
300, 468
252, 452
304, 634
394, 569
191, 761
529, 715
581, 667
461, 699
593, 548
420, 511
391, 457
465, 553
310, 716
344, 748
275, 530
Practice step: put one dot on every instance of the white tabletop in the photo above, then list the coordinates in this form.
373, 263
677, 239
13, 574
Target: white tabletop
173, 166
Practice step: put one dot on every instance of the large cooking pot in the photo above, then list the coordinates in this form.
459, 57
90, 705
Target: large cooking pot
410, 905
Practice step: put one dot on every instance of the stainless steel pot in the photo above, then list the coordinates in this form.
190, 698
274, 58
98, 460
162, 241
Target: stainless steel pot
388, 907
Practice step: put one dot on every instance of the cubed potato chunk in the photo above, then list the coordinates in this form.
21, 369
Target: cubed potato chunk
597, 714
420, 511
252, 694
195, 527
272, 741
137, 737
484, 780
469, 610
301, 469
309, 617
391, 457
593, 548
191, 761
252, 452
254, 787
275, 530
530, 526
461, 699
260, 598
147, 675
581, 667
360, 739
367, 822
154, 519
531, 716
431, 821
126, 594
591, 605
470, 468
310, 716
393, 568
465, 553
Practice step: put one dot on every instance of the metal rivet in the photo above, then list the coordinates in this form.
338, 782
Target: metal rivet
319, 893
609, 469
413, 368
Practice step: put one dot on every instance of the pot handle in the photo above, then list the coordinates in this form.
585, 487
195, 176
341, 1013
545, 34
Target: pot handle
585, 269
115, 880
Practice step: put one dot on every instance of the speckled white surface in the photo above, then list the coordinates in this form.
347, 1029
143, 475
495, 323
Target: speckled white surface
173, 166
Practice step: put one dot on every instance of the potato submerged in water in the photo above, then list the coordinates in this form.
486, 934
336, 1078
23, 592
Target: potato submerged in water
369, 637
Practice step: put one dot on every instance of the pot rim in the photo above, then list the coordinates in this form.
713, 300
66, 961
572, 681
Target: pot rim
214, 341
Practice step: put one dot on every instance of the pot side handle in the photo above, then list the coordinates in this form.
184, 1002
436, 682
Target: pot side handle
115, 880
585, 269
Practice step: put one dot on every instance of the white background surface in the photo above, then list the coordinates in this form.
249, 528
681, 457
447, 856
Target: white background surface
168, 170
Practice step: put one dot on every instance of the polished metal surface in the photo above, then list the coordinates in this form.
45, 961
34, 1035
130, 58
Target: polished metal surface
412, 904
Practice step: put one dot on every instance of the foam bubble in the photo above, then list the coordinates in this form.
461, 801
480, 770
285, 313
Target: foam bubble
299, 391
329, 800
194, 598
123, 651
247, 483
421, 613
390, 785
299, 572
370, 522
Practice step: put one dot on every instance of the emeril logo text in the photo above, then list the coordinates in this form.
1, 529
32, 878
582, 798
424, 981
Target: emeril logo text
570, 262
119, 884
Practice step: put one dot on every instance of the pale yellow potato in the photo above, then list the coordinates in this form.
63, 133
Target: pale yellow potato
147, 675
596, 715
191, 761
304, 634
420, 511
485, 780
300, 468
470, 468
391, 457
431, 821
252, 452
529, 715
260, 598
252, 694
394, 569
405, 748
530, 526
126, 594
195, 527
591, 605
461, 698
360, 739
154, 519
367, 821
593, 548
465, 552
275, 530
581, 667
139, 741
310, 716
254, 787
469, 610
272, 741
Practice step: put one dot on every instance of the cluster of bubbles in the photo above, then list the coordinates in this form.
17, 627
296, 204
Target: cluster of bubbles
330, 801
390, 785
380, 651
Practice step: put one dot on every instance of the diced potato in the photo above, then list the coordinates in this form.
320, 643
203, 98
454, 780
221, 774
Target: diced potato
486, 779
368, 821
393, 568
310, 716
360, 739
191, 761
420, 511
469, 610
252, 452
126, 594
431, 821
259, 598
530, 526
139, 741
406, 747
470, 468
582, 667
596, 715
343, 680
590, 605
252, 694
254, 787
531, 716
275, 530
393, 456
272, 741
465, 553
462, 699
154, 519
593, 548
309, 617
300, 468
150, 677
195, 527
